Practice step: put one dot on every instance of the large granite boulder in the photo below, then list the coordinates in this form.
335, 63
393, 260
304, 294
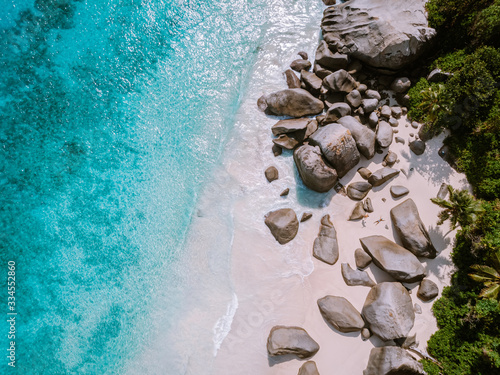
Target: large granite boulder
393, 259
388, 311
382, 175
392, 360
383, 35
330, 60
326, 247
341, 314
315, 173
283, 224
290, 102
411, 229
338, 147
358, 190
308, 368
291, 340
364, 136
340, 81
300, 64
355, 277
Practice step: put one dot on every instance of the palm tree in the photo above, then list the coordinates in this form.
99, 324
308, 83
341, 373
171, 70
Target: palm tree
461, 208
489, 276
434, 102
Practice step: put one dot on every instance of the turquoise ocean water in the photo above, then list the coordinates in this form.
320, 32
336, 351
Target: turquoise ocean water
113, 116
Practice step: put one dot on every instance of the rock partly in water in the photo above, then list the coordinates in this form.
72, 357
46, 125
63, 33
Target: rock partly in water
286, 142
284, 340
411, 229
358, 190
326, 247
313, 170
388, 311
291, 125
398, 191
292, 81
271, 174
340, 81
341, 314
393, 259
283, 224
285, 192
312, 81
309, 368
384, 134
363, 136
338, 147
382, 175
300, 64
417, 146
362, 258
427, 290
277, 150
358, 212
303, 55
290, 102
392, 360
355, 277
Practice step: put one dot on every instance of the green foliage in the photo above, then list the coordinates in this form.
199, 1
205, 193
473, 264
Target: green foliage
435, 102
461, 208
450, 62
486, 27
415, 112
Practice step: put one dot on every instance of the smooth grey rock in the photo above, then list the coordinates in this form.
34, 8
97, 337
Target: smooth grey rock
369, 105
362, 88
309, 368
300, 64
392, 360
341, 314
321, 71
358, 190
283, 224
393, 259
340, 81
271, 174
390, 159
383, 175
398, 191
292, 81
417, 146
443, 191
365, 334
372, 94
284, 340
355, 277
286, 142
399, 140
385, 111
373, 120
362, 258
306, 216
367, 205
411, 229
312, 81
338, 147
376, 32
417, 308
303, 55
358, 212
396, 112
285, 192
364, 172
336, 111
290, 102
313, 170
415, 125
325, 246
394, 123
427, 290
330, 60
400, 85
354, 98
388, 311
290, 125
363, 136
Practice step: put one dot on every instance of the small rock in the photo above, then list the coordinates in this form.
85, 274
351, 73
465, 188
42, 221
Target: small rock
362, 258
365, 334
382, 175
404, 111
384, 134
354, 98
385, 111
284, 141
336, 111
384, 200
355, 277
291, 340
290, 125
358, 212
412, 135
443, 191
340, 81
373, 119
312, 81
390, 159
330, 60
417, 308
393, 122
399, 140
303, 55
415, 125
398, 191
408, 342
292, 81
301, 64
396, 112
427, 290
309, 368
369, 105
362, 88
358, 190
285, 192
395, 131
367, 205
271, 174
372, 94
400, 85
277, 150
283, 224
364, 172
306, 216
417, 146
325, 246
